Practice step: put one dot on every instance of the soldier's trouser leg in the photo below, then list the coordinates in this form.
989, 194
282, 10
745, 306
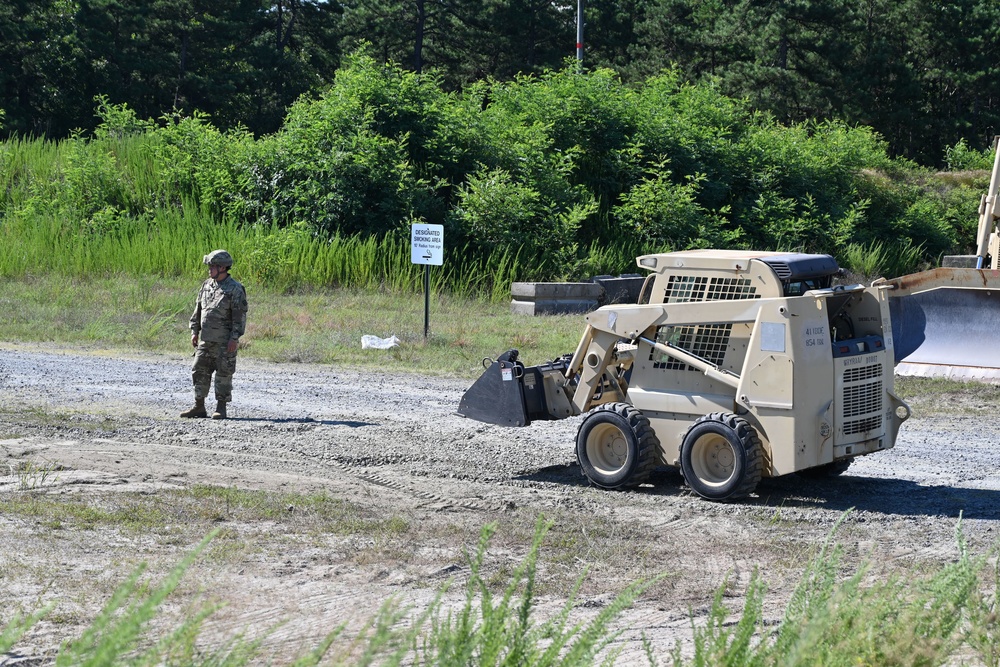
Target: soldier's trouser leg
204, 366
212, 358
224, 369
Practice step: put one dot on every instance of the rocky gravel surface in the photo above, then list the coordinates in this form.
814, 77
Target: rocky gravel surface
394, 444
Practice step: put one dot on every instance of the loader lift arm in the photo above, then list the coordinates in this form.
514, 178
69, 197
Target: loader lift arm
596, 355
510, 394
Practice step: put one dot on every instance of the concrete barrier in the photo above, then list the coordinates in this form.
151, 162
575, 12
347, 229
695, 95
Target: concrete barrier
620, 289
959, 261
554, 298
582, 297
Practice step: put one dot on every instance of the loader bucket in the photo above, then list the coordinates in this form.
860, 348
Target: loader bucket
509, 393
497, 397
948, 332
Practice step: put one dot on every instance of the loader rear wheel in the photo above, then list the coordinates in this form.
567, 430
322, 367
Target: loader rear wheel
616, 446
721, 457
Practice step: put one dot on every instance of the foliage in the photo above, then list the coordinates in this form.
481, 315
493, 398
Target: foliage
916, 71
962, 157
240, 61
664, 214
921, 73
552, 175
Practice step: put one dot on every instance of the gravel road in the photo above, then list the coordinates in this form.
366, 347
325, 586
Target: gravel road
394, 442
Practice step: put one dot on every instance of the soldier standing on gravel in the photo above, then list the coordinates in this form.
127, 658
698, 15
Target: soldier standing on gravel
220, 318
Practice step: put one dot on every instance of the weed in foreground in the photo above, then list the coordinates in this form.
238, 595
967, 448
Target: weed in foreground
830, 620
486, 630
32, 476
503, 631
983, 633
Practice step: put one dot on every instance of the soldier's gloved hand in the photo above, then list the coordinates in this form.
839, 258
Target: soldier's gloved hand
231, 347
194, 340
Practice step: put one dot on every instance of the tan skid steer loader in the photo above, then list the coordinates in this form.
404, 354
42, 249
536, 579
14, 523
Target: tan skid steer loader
735, 366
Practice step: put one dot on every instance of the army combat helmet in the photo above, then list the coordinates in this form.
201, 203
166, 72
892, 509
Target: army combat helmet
218, 258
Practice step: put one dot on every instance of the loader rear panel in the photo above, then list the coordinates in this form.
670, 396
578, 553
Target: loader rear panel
860, 419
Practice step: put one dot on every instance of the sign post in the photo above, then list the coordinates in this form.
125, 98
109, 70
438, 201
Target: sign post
427, 248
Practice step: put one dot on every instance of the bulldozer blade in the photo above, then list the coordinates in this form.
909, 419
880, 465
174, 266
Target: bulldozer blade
947, 332
497, 397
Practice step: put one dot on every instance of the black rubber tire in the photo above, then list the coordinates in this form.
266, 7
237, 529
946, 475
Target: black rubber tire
832, 469
616, 446
721, 457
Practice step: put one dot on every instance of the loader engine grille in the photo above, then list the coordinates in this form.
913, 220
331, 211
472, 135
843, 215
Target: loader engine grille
861, 401
863, 373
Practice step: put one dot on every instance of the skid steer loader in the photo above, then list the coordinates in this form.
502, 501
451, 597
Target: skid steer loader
740, 365
734, 366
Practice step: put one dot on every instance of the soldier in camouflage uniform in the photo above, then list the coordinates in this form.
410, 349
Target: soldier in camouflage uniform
219, 319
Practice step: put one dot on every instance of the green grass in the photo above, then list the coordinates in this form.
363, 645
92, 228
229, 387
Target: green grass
939, 396
308, 325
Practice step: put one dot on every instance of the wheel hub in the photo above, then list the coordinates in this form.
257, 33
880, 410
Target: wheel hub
713, 459
607, 449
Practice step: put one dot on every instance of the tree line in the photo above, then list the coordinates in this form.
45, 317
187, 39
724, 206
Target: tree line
569, 173
924, 74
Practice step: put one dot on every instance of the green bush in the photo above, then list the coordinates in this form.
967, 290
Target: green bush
962, 157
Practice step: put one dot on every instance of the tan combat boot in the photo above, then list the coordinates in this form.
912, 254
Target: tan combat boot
220, 410
197, 411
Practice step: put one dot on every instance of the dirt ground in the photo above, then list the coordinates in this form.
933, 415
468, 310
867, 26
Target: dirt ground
394, 444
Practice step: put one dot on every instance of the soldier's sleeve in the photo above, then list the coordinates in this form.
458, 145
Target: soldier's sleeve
196, 315
240, 308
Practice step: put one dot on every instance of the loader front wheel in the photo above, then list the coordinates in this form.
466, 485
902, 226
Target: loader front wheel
616, 446
721, 457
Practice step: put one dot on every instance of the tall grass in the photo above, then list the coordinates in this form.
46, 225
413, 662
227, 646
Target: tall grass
881, 260
109, 206
172, 242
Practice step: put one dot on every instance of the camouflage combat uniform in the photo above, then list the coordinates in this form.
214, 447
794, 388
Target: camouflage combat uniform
219, 316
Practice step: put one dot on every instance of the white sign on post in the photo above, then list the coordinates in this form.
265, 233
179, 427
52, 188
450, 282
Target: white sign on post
427, 244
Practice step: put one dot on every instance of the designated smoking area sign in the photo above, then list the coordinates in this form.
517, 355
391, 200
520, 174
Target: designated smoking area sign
427, 248
427, 244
